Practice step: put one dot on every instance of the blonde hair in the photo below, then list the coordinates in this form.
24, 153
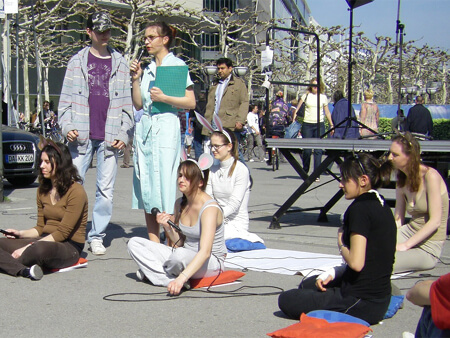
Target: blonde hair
368, 94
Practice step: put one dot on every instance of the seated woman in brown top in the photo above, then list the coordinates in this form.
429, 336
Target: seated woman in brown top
58, 237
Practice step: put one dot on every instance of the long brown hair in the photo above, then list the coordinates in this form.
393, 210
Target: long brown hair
194, 175
234, 148
411, 147
65, 172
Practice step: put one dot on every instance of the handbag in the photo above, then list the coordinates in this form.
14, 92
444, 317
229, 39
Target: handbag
301, 111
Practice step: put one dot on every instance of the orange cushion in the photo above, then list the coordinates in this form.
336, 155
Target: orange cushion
316, 327
225, 277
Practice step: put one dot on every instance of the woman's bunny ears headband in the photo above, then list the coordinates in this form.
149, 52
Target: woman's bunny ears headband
204, 162
216, 121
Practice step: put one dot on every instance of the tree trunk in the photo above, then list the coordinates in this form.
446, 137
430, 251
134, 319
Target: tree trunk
26, 81
444, 84
45, 71
389, 88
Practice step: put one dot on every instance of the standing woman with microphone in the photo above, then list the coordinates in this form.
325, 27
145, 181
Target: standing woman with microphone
157, 135
199, 250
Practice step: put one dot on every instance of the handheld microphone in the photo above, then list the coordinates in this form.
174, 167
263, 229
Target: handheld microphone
140, 55
156, 211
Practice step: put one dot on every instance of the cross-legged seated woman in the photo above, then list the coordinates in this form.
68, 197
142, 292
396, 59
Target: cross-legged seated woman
58, 237
361, 287
199, 251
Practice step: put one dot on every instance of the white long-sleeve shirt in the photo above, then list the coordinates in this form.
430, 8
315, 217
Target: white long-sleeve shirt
232, 194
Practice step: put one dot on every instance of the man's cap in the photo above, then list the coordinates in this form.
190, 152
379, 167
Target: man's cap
100, 22
280, 93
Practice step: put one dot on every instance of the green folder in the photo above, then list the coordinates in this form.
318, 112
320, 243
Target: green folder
172, 81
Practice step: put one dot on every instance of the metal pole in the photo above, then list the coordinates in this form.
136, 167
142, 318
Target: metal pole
400, 28
38, 70
8, 73
1, 113
350, 45
17, 66
318, 87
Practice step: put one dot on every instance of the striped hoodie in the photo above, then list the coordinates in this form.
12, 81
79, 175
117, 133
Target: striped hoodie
73, 108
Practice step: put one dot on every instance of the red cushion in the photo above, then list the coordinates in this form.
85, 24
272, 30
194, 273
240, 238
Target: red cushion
316, 327
225, 277
81, 263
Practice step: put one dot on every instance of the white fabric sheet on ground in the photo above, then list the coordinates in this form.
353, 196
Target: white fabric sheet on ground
286, 262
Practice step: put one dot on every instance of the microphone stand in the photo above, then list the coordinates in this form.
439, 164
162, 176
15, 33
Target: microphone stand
349, 119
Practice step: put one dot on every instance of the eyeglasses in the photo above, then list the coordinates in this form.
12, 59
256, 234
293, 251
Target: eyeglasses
150, 38
216, 146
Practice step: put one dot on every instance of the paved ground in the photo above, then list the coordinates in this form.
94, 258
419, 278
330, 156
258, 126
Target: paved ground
73, 304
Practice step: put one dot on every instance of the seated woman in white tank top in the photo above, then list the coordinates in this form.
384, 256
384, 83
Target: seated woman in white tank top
199, 250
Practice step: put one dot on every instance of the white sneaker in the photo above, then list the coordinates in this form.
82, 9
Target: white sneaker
140, 275
252, 160
36, 272
97, 247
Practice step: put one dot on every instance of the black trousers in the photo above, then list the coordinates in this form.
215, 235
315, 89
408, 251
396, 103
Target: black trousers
50, 255
308, 298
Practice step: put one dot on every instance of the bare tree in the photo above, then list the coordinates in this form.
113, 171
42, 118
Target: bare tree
58, 28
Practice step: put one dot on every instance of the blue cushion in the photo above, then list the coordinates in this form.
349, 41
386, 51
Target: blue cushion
239, 244
336, 317
394, 305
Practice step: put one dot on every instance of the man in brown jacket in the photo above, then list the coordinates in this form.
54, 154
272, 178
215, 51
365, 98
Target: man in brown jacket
227, 97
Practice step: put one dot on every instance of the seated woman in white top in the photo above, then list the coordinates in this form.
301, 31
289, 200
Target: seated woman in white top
229, 182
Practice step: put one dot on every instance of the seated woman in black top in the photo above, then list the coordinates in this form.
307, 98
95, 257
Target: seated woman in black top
366, 241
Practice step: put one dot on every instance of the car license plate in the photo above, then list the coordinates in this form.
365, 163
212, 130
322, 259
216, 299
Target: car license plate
20, 158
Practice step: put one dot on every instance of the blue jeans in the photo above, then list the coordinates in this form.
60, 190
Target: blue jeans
309, 130
106, 176
426, 327
198, 147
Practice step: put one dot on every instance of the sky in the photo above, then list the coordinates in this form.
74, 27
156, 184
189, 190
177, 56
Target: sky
427, 21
